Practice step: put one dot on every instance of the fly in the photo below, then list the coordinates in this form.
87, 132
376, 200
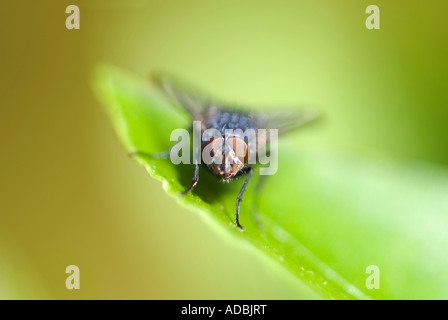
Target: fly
230, 153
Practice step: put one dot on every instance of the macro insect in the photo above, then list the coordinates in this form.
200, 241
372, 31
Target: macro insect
230, 154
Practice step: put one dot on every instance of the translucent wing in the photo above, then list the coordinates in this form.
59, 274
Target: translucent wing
202, 108
286, 120
184, 96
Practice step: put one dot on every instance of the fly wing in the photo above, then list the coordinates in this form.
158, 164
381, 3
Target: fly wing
189, 99
284, 121
202, 108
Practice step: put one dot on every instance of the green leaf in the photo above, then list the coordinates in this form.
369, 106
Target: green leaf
324, 216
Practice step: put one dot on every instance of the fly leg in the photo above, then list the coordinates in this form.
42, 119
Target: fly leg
240, 196
195, 179
155, 155
196, 174
166, 155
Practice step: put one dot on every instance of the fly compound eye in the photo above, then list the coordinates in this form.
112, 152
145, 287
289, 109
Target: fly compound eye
212, 149
240, 148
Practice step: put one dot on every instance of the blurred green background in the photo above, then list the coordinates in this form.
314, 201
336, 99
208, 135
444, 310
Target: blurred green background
69, 193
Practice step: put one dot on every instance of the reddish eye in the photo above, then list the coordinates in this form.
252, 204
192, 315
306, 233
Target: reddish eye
215, 143
240, 148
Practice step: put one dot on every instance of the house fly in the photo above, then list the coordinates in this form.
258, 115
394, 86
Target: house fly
230, 153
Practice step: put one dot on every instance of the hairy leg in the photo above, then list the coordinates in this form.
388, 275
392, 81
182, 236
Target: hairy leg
196, 173
156, 155
166, 155
240, 196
